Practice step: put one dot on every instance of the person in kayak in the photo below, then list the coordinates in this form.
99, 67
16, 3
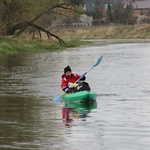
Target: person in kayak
68, 82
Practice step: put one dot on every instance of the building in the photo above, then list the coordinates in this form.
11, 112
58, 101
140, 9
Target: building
145, 4
141, 7
91, 5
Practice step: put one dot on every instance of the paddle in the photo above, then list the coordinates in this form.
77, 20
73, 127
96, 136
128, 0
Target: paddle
58, 98
97, 63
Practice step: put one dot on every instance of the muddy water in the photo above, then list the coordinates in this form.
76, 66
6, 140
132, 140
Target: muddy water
120, 119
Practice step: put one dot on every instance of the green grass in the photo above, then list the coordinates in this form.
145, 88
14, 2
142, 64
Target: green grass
75, 43
16, 45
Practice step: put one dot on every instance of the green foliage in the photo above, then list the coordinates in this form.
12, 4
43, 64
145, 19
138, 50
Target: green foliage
96, 14
14, 12
75, 2
75, 43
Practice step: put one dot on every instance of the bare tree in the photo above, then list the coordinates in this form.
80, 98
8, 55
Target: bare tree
17, 16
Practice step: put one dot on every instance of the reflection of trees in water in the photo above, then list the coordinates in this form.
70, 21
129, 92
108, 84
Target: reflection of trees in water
15, 74
12, 60
18, 120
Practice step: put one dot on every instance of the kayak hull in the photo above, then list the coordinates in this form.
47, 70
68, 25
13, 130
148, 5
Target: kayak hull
80, 97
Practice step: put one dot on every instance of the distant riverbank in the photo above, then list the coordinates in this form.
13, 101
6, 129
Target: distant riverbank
77, 36
98, 42
141, 31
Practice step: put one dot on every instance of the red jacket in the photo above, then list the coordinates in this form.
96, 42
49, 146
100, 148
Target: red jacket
69, 79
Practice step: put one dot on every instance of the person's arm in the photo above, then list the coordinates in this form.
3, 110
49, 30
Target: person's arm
64, 85
81, 77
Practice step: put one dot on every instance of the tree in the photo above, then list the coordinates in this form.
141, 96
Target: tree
122, 13
96, 14
117, 11
17, 16
109, 13
12, 12
127, 14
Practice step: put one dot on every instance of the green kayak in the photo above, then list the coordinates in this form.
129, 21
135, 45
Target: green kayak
80, 97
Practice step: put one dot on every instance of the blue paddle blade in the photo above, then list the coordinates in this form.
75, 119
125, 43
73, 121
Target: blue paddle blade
57, 98
98, 61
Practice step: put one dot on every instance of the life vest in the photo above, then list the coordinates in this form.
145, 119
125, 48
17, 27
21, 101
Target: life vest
69, 79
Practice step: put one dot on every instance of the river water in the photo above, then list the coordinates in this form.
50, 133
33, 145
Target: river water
120, 119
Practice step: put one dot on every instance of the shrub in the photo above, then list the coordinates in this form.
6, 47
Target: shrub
143, 19
86, 20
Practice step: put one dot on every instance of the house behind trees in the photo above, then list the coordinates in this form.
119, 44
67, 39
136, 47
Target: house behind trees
117, 11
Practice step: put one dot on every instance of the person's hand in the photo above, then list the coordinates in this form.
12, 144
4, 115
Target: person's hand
66, 90
82, 76
73, 85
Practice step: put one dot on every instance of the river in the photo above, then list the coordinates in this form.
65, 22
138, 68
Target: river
120, 119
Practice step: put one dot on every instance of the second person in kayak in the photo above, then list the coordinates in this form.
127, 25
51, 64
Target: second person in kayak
68, 81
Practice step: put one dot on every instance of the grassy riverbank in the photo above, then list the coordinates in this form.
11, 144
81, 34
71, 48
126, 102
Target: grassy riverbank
9, 45
140, 31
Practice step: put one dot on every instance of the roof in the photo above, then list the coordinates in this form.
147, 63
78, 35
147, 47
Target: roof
141, 5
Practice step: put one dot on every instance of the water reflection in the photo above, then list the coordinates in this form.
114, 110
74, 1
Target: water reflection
73, 111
